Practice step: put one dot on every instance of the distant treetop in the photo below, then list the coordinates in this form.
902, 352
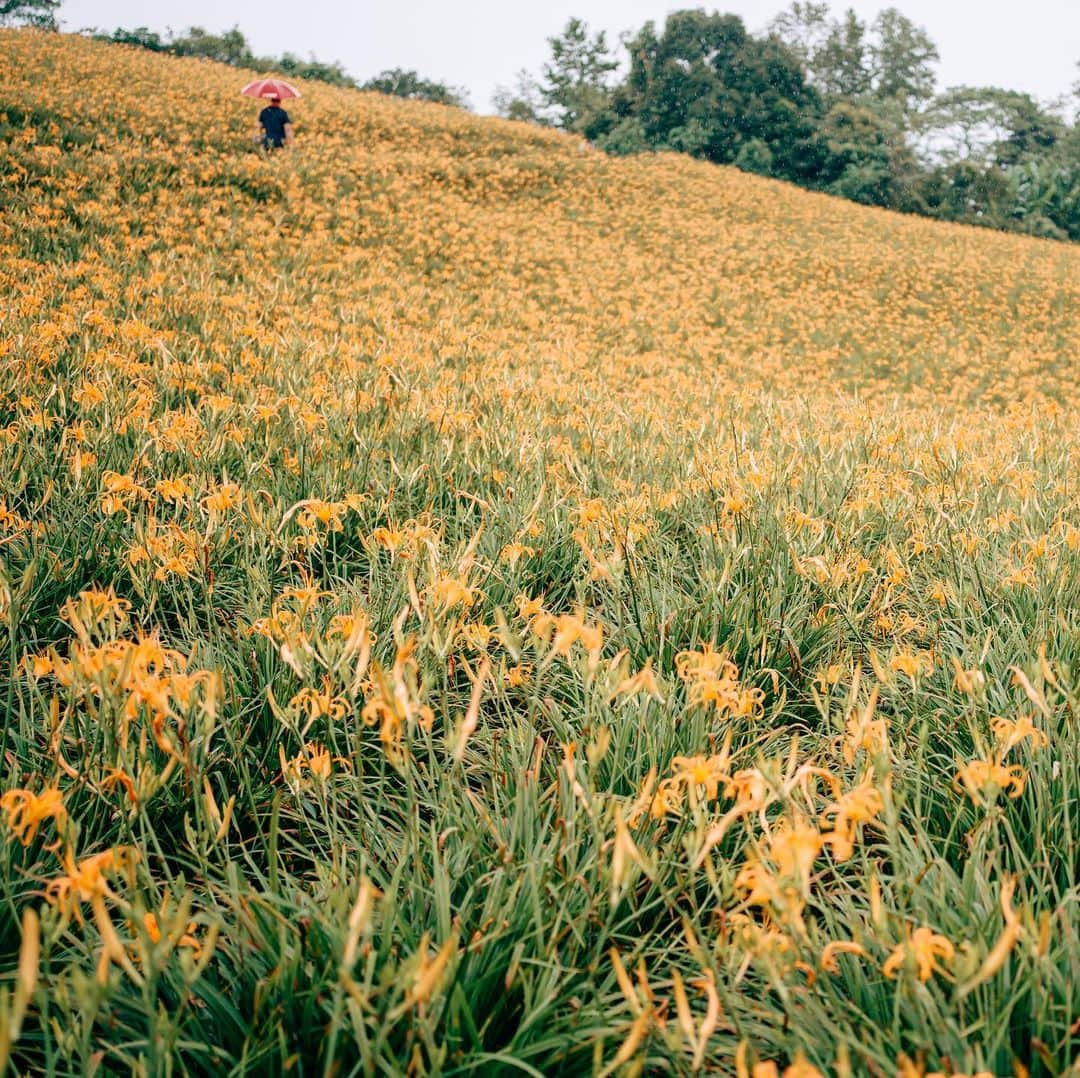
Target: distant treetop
409, 84
40, 13
231, 47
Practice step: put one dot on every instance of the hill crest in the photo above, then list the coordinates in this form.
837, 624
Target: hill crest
658, 263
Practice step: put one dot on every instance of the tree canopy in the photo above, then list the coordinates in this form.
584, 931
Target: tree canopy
39, 13
231, 47
829, 101
409, 84
706, 86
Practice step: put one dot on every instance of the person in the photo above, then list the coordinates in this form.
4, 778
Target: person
276, 126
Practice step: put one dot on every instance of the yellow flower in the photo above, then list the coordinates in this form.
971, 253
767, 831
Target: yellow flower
863, 732
748, 787
27, 811
314, 762
828, 954
512, 553
566, 630
989, 777
642, 683
850, 811
519, 674
86, 880
794, 846
666, 801
222, 497
704, 773
317, 703
152, 926
173, 490
447, 592
912, 666
713, 679
1015, 732
969, 682
830, 676
923, 948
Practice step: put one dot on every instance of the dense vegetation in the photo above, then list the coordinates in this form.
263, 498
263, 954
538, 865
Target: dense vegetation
230, 47
39, 13
834, 104
471, 604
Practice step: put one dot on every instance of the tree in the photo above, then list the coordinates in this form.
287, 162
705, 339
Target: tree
521, 101
842, 66
1045, 198
230, 47
903, 59
804, 28
706, 86
988, 126
999, 157
290, 64
868, 159
401, 83
574, 88
892, 59
140, 37
39, 13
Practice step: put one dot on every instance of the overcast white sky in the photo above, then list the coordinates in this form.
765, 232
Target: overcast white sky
1031, 45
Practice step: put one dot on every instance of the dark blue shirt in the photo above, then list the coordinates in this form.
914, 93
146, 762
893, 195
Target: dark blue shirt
273, 119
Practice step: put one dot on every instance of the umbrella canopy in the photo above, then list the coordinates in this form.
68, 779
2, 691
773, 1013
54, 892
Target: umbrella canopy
270, 88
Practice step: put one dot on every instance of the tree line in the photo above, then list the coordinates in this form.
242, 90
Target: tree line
833, 103
231, 47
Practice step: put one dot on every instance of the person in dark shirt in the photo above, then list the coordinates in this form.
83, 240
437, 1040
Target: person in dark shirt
276, 126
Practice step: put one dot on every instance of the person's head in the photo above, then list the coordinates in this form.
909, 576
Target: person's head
275, 101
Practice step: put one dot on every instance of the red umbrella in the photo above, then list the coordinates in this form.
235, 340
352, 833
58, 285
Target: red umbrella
270, 88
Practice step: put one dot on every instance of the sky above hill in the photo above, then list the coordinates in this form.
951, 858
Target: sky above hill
480, 44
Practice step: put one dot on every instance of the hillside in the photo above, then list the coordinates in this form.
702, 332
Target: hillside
472, 604
645, 265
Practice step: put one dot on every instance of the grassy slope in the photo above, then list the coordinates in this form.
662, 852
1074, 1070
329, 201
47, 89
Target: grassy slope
675, 405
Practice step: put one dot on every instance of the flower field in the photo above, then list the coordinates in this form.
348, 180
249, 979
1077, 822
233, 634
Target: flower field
469, 605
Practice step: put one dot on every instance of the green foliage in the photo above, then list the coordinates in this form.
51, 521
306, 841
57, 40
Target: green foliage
574, 88
521, 101
39, 13
833, 52
409, 84
140, 37
755, 156
990, 126
858, 142
706, 86
837, 104
230, 47
891, 59
902, 60
573, 92
999, 157
290, 64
